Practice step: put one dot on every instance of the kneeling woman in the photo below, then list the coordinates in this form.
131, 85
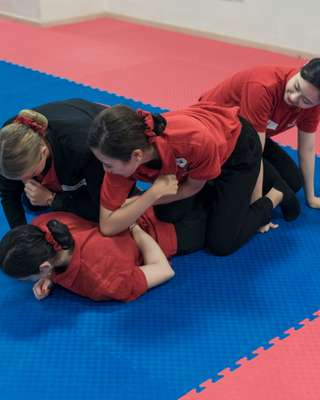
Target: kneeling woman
45, 161
65, 249
179, 152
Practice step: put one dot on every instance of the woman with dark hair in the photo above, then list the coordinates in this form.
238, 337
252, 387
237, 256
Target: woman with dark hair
65, 249
274, 99
45, 161
179, 152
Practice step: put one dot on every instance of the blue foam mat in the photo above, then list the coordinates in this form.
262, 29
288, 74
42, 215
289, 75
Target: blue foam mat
215, 311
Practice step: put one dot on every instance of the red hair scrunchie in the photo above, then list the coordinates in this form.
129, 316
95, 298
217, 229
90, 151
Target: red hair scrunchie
148, 120
50, 239
31, 124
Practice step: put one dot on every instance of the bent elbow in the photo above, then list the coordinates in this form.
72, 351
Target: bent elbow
170, 273
107, 230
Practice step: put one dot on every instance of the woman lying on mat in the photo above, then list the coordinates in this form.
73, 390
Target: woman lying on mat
44, 156
179, 152
65, 249
274, 99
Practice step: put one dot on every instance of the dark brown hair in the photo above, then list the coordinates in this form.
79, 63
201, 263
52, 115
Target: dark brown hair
118, 131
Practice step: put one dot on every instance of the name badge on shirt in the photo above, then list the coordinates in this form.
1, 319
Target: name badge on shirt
181, 162
272, 125
68, 188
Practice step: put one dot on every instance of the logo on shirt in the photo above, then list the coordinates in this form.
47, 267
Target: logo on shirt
272, 125
181, 162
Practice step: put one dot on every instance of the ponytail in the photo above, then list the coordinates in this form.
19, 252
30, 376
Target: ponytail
60, 234
160, 123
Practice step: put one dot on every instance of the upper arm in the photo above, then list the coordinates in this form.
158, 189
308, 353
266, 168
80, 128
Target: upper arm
262, 137
103, 220
256, 105
94, 177
10, 193
157, 273
308, 120
123, 284
306, 141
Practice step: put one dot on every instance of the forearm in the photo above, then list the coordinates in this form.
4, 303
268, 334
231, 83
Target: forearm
306, 152
307, 162
13, 211
120, 219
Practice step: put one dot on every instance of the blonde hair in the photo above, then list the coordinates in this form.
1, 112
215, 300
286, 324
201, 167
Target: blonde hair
21, 142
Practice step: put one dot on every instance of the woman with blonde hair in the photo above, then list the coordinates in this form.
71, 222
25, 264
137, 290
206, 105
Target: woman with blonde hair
45, 161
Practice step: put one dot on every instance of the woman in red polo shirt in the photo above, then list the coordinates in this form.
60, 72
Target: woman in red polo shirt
179, 152
65, 249
274, 99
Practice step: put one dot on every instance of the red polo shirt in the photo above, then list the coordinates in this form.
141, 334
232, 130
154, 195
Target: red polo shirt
104, 268
196, 143
259, 93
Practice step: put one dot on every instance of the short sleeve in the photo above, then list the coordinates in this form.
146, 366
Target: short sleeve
256, 105
114, 190
125, 285
208, 164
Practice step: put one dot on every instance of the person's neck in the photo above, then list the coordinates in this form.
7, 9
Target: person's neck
63, 258
150, 154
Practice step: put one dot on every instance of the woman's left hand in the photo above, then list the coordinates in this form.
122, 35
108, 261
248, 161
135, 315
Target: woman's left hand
314, 202
42, 288
37, 194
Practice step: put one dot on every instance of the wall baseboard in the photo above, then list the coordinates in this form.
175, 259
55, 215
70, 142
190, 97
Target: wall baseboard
222, 38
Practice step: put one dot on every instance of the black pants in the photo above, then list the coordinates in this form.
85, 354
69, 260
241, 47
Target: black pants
277, 161
175, 211
232, 220
191, 229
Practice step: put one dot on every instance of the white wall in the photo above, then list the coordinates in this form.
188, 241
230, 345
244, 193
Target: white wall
48, 11
25, 9
291, 24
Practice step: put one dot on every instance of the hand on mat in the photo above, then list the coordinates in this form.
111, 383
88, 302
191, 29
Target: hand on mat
266, 228
314, 202
166, 185
42, 288
37, 194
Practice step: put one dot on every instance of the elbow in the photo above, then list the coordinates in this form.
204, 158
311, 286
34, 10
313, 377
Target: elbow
170, 273
107, 230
